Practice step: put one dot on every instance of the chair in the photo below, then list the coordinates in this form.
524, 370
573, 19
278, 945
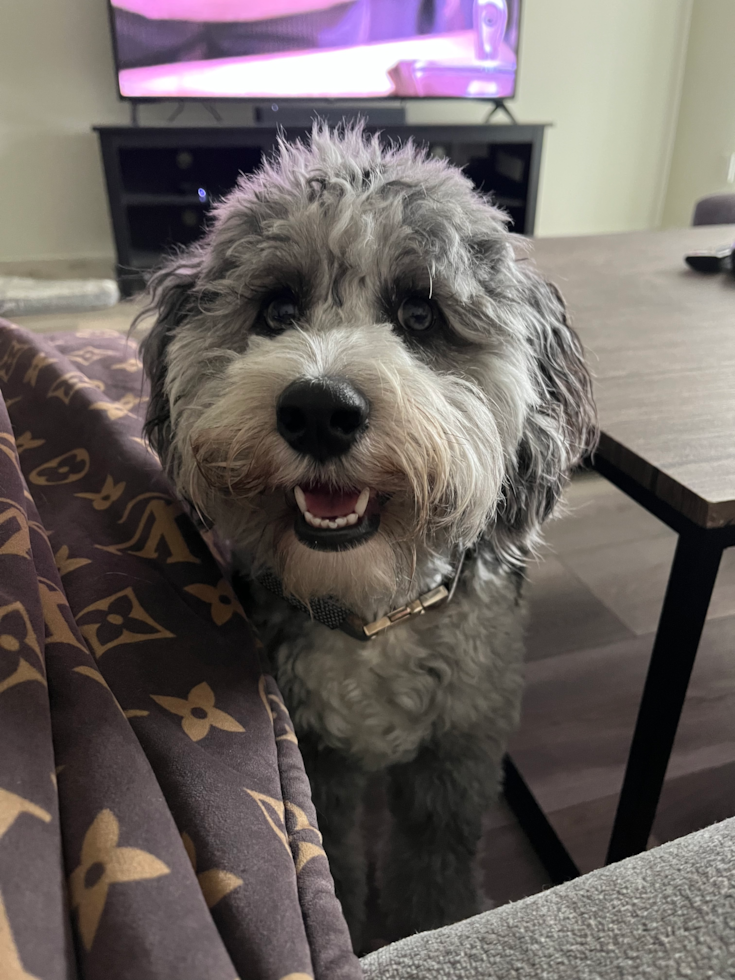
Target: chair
715, 209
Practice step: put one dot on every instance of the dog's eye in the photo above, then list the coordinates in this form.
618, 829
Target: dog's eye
416, 314
281, 312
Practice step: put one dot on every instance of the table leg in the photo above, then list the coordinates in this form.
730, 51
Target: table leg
688, 594
534, 823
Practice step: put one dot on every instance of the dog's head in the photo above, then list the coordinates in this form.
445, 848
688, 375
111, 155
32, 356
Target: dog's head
352, 370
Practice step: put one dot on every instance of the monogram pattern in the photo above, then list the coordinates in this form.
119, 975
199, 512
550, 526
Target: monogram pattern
167, 826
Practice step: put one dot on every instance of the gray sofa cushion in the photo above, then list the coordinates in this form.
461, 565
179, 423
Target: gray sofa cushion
665, 914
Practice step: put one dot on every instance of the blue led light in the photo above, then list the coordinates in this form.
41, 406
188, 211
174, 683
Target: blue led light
202, 194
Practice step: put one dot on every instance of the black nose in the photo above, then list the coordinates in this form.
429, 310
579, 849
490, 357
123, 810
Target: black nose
321, 417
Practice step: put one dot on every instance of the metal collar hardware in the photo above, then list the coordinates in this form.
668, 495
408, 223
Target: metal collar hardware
416, 608
334, 615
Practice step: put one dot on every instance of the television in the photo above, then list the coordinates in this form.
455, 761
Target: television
315, 49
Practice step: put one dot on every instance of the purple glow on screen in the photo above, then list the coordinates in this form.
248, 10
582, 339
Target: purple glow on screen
316, 48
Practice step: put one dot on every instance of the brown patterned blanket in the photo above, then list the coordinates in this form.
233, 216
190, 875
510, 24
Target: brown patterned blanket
155, 817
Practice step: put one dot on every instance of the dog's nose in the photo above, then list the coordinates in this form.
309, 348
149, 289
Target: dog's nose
321, 417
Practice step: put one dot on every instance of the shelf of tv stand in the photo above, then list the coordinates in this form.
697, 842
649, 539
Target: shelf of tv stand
153, 175
143, 261
175, 200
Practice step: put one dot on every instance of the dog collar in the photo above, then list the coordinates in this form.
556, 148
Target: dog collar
334, 615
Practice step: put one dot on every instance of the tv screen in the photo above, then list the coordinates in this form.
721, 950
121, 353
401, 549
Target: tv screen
316, 49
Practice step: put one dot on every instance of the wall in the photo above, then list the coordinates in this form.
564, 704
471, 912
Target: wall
55, 81
606, 74
705, 135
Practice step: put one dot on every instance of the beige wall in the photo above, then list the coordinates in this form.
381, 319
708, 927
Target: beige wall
55, 81
605, 73
705, 136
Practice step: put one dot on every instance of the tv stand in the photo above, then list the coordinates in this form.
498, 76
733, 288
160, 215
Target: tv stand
162, 180
274, 114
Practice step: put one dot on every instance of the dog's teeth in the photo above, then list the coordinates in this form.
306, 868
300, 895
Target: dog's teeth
362, 502
323, 522
300, 499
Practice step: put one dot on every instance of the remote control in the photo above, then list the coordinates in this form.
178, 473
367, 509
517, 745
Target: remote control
710, 259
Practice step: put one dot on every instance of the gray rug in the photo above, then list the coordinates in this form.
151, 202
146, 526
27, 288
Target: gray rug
24, 297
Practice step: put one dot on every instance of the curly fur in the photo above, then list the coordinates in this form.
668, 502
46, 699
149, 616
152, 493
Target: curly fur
472, 434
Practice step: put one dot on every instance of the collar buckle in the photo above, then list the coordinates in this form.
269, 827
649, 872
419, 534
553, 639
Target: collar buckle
416, 608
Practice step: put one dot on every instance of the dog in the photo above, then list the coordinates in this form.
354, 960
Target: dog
365, 391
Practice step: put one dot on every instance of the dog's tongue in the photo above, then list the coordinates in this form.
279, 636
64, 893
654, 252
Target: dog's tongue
323, 502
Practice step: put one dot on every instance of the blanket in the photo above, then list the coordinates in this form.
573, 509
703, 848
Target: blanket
155, 816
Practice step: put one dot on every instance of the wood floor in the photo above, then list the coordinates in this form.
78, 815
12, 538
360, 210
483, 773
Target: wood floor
595, 597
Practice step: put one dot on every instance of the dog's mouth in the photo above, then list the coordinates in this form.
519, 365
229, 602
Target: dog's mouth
329, 519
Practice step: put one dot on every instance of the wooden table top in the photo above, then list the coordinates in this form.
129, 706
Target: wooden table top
661, 344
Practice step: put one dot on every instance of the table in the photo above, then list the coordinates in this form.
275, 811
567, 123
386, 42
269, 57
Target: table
661, 344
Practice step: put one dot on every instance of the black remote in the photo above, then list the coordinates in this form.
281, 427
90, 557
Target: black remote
711, 259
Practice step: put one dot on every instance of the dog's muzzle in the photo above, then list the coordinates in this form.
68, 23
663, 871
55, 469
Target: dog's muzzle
323, 418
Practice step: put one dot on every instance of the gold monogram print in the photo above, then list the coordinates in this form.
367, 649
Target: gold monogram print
120, 409
221, 600
54, 605
14, 536
116, 620
103, 864
15, 622
65, 564
215, 883
88, 355
270, 807
10, 359
70, 383
198, 713
39, 361
156, 528
13, 806
67, 468
109, 493
99, 560
26, 441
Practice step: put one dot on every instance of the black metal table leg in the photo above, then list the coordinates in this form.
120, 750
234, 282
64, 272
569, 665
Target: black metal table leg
688, 594
535, 825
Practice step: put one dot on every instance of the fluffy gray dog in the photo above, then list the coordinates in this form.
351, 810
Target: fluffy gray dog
358, 384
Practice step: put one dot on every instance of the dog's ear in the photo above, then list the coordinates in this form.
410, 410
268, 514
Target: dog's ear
561, 425
173, 296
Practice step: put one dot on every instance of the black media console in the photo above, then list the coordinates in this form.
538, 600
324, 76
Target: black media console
162, 181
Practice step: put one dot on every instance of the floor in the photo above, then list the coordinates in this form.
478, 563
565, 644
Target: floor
117, 317
595, 595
